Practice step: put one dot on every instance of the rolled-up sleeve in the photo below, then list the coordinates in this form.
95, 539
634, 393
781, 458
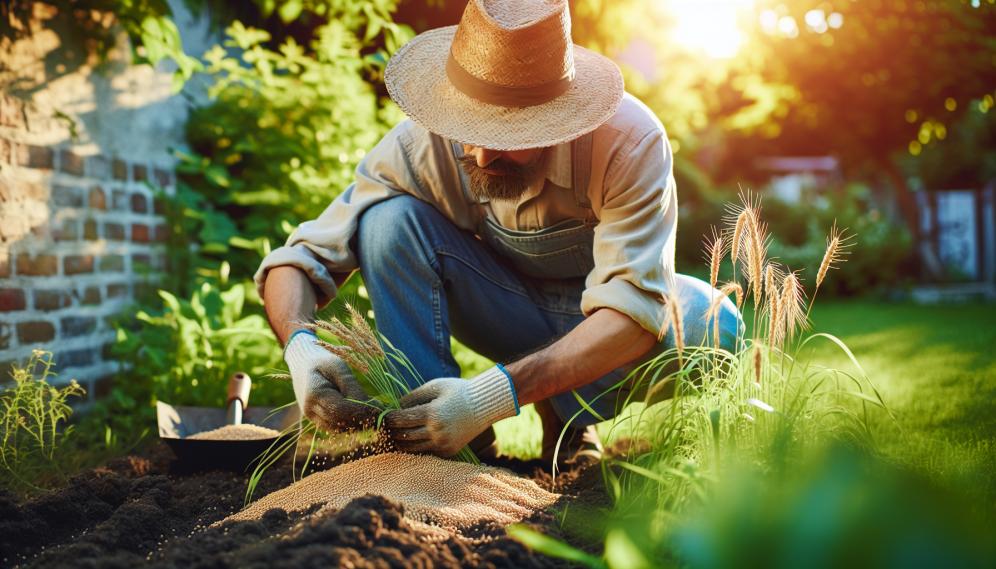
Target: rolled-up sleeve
635, 236
322, 247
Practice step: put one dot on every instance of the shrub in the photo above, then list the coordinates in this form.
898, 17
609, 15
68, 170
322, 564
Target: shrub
185, 351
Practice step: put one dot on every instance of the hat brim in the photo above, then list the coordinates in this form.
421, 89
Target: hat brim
416, 80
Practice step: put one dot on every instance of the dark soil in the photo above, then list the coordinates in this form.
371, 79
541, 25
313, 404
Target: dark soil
144, 510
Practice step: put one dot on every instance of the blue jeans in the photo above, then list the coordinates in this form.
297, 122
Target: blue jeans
427, 279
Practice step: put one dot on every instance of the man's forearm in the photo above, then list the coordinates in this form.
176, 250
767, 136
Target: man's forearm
602, 342
289, 297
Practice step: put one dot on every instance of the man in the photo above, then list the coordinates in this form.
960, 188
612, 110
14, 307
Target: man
528, 207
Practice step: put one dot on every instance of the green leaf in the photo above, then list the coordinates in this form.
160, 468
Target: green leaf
290, 10
552, 547
622, 553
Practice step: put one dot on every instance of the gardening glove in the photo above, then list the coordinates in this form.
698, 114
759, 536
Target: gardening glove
445, 414
324, 385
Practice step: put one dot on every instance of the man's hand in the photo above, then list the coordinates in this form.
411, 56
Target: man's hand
324, 386
445, 414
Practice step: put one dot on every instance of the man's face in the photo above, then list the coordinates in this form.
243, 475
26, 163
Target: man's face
501, 174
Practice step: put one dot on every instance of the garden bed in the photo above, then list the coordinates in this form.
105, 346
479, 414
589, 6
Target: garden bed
146, 510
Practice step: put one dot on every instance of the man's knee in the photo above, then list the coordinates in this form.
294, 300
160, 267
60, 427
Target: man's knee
390, 228
701, 325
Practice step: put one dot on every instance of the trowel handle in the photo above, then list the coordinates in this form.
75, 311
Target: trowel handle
238, 397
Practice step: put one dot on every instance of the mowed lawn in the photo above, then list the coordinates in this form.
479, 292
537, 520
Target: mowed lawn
935, 367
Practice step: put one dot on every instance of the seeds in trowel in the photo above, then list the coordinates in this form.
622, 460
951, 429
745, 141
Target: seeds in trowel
244, 432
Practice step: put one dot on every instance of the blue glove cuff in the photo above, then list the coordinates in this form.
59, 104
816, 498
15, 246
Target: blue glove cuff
511, 385
295, 333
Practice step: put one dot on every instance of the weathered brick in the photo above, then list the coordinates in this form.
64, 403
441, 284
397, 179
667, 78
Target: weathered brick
162, 233
70, 163
77, 264
32, 156
102, 386
139, 233
141, 261
139, 172
98, 167
48, 300
114, 231
107, 350
37, 266
68, 230
91, 296
35, 331
76, 358
97, 198
164, 178
112, 263
41, 233
11, 114
14, 227
139, 203
119, 200
78, 325
119, 169
6, 333
67, 196
90, 230
117, 290
33, 191
146, 291
11, 299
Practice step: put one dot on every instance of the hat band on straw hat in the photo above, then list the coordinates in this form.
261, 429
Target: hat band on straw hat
505, 95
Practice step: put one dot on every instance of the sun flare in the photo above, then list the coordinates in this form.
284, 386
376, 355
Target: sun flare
709, 26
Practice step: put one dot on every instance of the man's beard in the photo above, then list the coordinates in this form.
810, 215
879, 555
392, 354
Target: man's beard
509, 185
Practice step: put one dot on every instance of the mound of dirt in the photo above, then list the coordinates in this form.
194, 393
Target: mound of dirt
148, 511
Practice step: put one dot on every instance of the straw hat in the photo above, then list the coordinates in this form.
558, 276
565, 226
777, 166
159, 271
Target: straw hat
508, 77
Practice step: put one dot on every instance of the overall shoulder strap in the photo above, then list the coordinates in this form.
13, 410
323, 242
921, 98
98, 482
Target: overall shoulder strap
581, 168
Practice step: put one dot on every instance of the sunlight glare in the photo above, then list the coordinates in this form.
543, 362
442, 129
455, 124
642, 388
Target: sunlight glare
709, 26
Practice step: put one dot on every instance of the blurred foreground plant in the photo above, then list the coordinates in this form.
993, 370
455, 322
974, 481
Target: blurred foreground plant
33, 414
767, 403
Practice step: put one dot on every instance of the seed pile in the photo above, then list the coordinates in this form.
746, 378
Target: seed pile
432, 490
244, 432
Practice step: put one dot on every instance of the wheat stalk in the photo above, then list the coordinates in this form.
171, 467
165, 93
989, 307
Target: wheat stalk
363, 333
714, 248
674, 321
776, 327
793, 305
738, 235
837, 245
756, 233
757, 365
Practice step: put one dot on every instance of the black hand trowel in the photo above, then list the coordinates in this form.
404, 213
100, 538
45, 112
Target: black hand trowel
178, 423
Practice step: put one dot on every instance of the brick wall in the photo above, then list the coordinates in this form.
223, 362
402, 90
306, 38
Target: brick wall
82, 140
79, 234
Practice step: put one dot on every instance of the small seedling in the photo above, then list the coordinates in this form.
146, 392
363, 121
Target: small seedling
32, 417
